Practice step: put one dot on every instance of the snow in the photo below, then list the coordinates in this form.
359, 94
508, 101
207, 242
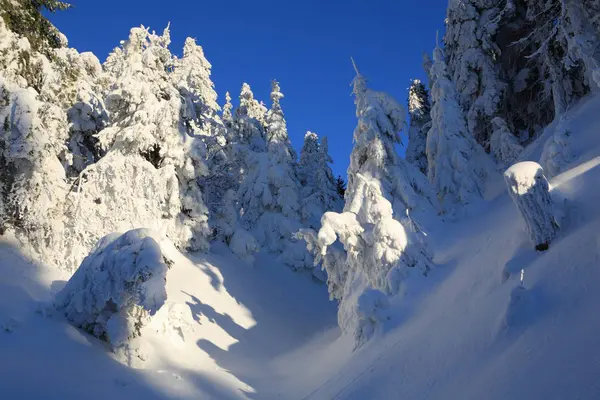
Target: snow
230, 331
418, 307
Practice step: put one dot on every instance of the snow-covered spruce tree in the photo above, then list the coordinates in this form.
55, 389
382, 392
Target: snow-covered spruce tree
419, 111
471, 53
458, 166
557, 149
200, 116
36, 93
504, 146
276, 128
268, 194
318, 191
149, 175
26, 19
427, 63
530, 191
555, 65
191, 75
248, 138
379, 250
88, 115
582, 38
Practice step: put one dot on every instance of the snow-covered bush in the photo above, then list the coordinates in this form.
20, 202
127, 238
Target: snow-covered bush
243, 245
530, 191
118, 287
503, 144
557, 149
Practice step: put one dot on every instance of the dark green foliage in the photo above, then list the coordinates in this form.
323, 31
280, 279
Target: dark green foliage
340, 186
25, 18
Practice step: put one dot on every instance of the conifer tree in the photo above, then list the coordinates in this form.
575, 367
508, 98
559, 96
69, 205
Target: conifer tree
318, 187
268, 193
458, 166
471, 53
420, 122
380, 251
340, 184
152, 164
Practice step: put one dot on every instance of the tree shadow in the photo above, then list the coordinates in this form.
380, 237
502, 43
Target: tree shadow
289, 310
42, 356
224, 321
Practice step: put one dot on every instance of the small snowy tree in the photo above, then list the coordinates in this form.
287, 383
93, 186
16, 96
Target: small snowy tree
420, 122
557, 149
504, 145
119, 285
318, 191
379, 250
530, 191
340, 185
458, 166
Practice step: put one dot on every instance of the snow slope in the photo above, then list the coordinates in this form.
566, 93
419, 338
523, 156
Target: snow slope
469, 334
231, 331
216, 337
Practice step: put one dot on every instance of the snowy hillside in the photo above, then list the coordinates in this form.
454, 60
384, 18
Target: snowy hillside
155, 244
230, 330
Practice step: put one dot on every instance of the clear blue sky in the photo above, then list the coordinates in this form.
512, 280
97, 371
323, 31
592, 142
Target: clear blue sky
306, 45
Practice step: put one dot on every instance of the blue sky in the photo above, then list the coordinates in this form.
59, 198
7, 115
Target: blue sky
306, 45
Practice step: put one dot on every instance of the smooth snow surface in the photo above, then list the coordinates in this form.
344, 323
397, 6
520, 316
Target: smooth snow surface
231, 331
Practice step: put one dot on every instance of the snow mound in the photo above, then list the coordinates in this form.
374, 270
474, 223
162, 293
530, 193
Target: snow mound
119, 285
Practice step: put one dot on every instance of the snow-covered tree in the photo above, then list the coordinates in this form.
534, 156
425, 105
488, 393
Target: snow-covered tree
35, 94
268, 193
200, 115
227, 116
427, 63
582, 38
458, 166
530, 191
471, 53
150, 174
88, 115
557, 154
419, 111
504, 146
318, 191
553, 59
192, 77
379, 250
276, 128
